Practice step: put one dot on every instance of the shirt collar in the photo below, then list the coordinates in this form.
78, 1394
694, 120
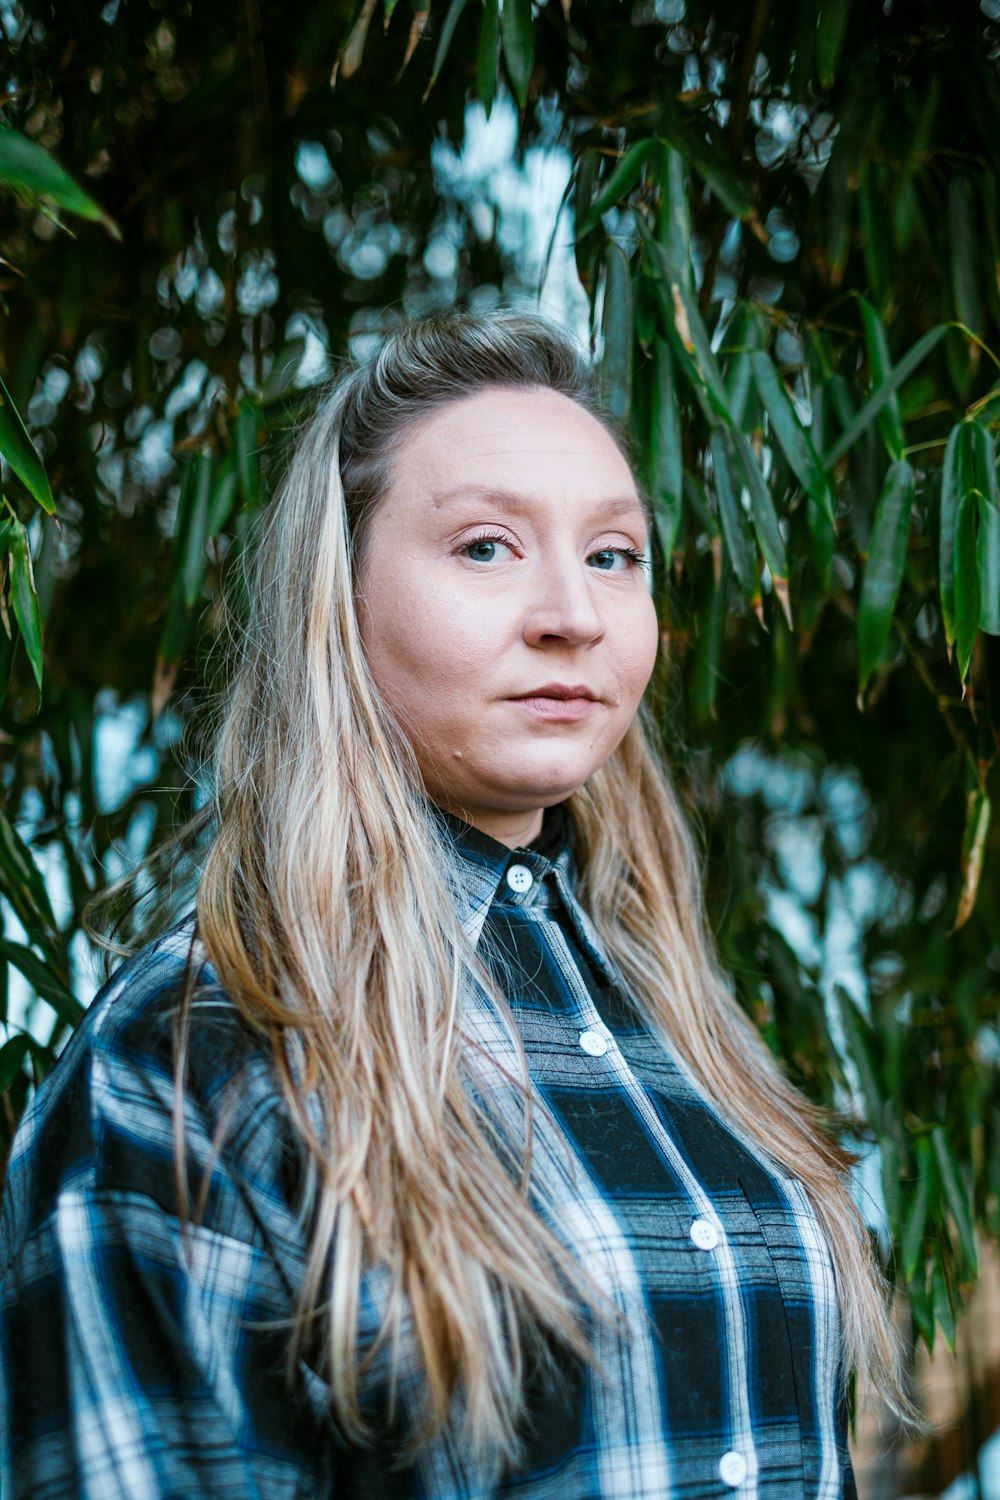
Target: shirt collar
486, 872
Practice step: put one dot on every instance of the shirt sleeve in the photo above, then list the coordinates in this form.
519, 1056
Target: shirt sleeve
142, 1357
137, 1364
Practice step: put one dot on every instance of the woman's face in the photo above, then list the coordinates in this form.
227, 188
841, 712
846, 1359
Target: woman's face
505, 614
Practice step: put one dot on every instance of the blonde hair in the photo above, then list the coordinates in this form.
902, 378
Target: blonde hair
325, 910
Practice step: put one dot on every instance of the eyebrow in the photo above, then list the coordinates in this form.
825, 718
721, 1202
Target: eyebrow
612, 507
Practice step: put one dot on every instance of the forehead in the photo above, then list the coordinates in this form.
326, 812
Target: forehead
513, 439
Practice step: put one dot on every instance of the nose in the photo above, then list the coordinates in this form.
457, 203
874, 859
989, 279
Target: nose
562, 610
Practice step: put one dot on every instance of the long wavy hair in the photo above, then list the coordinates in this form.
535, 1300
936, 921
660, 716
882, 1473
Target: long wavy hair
327, 914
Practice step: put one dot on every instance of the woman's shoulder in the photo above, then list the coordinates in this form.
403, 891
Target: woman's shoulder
104, 1121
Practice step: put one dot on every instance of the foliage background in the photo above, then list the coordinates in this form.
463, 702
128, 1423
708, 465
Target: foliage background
788, 238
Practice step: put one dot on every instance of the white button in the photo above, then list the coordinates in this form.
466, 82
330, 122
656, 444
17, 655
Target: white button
706, 1237
520, 879
594, 1043
732, 1468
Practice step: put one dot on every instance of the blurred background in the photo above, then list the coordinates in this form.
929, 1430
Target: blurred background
776, 225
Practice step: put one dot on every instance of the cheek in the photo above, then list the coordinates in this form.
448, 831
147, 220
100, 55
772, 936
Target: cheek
422, 649
639, 645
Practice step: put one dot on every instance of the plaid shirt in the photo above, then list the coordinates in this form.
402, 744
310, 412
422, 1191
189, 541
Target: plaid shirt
139, 1360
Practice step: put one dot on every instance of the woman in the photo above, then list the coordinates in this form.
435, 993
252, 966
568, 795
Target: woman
432, 1156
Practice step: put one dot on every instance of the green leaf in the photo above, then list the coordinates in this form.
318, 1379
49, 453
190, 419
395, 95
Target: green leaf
734, 522
451, 20
708, 650
977, 827
956, 1198
21, 453
682, 323
955, 481
941, 1300
715, 172
21, 882
12, 1055
486, 54
667, 453
795, 441
889, 420
830, 28
988, 546
914, 1223
518, 46
884, 568
876, 246
43, 980
349, 59
617, 325
245, 446
24, 598
876, 401
764, 519
966, 566
195, 536
26, 166
988, 559
223, 494
963, 239
623, 178
675, 215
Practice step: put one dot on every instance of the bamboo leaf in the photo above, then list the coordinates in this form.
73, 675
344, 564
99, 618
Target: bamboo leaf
667, 454
955, 481
195, 537
24, 597
830, 27
734, 522
988, 560
675, 218
43, 980
245, 428
518, 46
683, 324
956, 1198
451, 20
966, 566
764, 519
964, 236
26, 166
486, 54
21, 453
889, 420
795, 441
901, 372
977, 827
21, 882
715, 173
941, 1300
623, 178
617, 326
884, 568
349, 60
988, 545
12, 1055
914, 1224
224, 492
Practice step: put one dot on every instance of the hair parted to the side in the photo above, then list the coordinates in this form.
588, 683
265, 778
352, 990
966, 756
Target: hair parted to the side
324, 908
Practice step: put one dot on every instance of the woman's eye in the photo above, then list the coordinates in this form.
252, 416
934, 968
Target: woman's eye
486, 549
615, 559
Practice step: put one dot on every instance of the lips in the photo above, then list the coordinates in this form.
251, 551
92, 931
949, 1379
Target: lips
561, 691
558, 702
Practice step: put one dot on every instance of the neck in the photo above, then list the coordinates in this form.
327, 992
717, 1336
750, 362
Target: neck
515, 829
